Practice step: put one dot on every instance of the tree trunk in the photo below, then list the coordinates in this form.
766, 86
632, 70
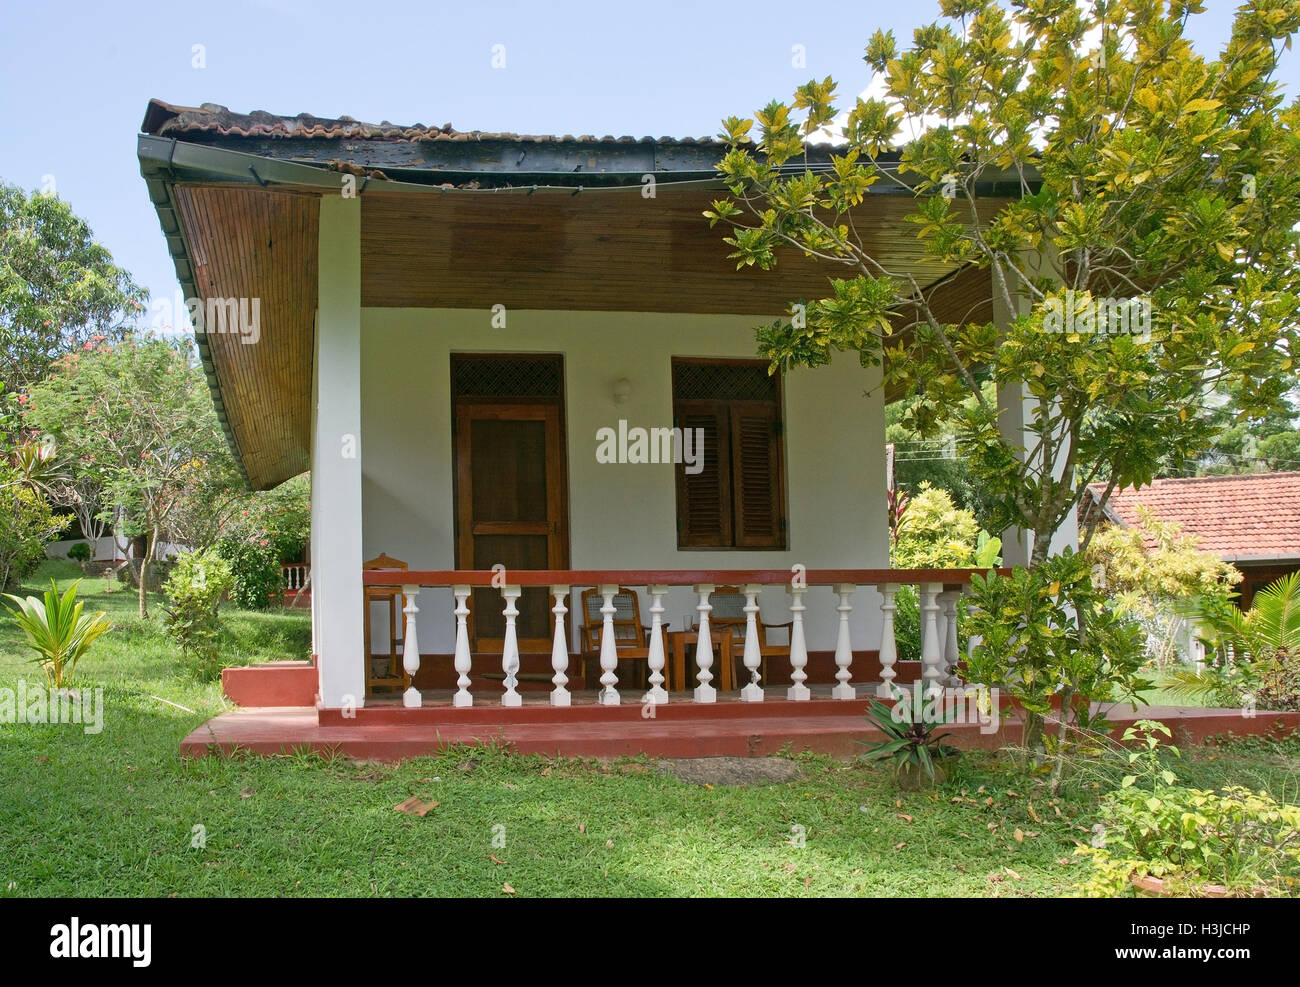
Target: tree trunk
144, 573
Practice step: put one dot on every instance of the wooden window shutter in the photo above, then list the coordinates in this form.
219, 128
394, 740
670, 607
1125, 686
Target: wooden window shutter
756, 471
703, 499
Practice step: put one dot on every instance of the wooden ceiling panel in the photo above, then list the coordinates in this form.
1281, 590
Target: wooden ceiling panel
600, 250
248, 243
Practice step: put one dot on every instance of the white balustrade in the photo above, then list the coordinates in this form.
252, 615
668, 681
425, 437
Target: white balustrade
510, 649
843, 645
798, 646
704, 692
410, 646
608, 650
753, 690
657, 693
931, 646
888, 647
951, 650
560, 696
462, 658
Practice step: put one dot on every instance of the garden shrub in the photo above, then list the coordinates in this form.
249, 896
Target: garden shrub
255, 566
194, 590
79, 552
1244, 841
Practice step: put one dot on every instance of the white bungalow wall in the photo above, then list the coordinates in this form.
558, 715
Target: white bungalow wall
622, 516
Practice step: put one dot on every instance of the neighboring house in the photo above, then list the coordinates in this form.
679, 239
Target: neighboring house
1251, 520
464, 335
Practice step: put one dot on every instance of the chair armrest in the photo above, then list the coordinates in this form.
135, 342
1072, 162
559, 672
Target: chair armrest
788, 624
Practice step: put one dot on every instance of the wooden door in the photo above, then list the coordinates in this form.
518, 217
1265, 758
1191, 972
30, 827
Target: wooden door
511, 509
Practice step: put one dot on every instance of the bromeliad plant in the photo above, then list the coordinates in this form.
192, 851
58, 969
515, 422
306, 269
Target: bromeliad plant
912, 747
57, 629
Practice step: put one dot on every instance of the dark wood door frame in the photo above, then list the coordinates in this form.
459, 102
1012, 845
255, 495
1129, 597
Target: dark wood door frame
555, 528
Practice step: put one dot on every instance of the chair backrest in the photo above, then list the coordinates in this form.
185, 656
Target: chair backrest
728, 611
628, 632
383, 561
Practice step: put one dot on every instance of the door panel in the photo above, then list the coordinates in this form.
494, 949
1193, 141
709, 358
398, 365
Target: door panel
511, 510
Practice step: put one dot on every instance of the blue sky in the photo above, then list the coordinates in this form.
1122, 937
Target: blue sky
75, 77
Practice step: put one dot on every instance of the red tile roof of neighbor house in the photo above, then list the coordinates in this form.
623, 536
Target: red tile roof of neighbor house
1239, 518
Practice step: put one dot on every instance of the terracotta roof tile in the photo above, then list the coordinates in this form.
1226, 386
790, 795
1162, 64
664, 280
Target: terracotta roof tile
165, 119
1236, 517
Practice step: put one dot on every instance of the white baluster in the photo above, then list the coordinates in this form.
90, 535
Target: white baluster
510, 650
609, 650
410, 646
753, 691
657, 693
462, 659
798, 646
931, 646
843, 645
704, 692
951, 649
560, 696
888, 648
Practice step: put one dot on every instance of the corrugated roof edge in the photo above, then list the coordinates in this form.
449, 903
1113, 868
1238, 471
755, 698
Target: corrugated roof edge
163, 119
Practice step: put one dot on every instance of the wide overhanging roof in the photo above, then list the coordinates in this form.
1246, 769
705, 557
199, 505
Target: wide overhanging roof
454, 219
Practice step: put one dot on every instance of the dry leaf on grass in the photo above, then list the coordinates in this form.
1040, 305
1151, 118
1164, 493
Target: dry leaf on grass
1019, 834
495, 859
1011, 874
507, 889
903, 816
247, 793
899, 846
414, 807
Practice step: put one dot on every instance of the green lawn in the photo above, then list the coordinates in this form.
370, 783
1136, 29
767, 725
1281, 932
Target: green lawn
114, 813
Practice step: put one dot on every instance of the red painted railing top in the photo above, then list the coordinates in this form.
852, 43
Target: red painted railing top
667, 577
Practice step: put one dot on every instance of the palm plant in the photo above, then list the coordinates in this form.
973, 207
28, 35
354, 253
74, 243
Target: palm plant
57, 629
1265, 648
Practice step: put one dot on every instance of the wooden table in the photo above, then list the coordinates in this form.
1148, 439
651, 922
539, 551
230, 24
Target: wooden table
723, 668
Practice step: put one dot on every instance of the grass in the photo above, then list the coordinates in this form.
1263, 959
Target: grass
115, 813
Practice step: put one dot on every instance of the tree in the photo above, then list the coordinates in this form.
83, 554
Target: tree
26, 520
58, 287
1156, 190
138, 414
1154, 586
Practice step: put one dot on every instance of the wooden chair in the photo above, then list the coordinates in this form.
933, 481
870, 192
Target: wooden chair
389, 673
728, 613
631, 637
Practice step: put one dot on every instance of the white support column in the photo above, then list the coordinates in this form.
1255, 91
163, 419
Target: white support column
798, 647
888, 647
410, 646
338, 598
931, 647
608, 650
704, 692
462, 660
844, 645
951, 652
560, 696
657, 693
510, 648
753, 690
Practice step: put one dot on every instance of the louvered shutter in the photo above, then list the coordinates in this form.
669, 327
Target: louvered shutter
703, 498
756, 475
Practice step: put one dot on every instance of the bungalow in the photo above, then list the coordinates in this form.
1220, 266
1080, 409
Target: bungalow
464, 336
1251, 520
